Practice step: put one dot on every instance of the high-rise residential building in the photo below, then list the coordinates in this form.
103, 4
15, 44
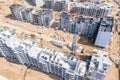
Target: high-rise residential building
98, 65
28, 15
88, 26
95, 1
17, 11
49, 4
85, 26
64, 65
36, 2
65, 22
105, 32
40, 17
57, 5
89, 9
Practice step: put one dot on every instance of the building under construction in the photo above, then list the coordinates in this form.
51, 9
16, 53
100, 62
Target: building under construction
41, 17
88, 26
96, 28
65, 18
85, 26
67, 66
105, 32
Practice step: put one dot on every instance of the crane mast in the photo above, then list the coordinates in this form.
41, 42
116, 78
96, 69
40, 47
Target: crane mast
74, 38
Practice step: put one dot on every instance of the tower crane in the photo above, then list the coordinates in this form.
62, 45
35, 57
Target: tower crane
74, 38
75, 30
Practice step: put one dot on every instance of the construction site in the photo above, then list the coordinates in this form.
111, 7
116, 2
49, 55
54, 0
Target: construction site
59, 40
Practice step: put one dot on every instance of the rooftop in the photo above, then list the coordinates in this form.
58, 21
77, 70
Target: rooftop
99, 64
107, 24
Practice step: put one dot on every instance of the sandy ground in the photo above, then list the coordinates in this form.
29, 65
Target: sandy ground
19, 72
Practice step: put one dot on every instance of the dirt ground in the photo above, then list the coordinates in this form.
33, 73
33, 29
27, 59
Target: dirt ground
18, 72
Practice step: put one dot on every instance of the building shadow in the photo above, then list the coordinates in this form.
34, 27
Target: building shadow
54, 25
86, 41
82, 57
10, 16
55, 77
